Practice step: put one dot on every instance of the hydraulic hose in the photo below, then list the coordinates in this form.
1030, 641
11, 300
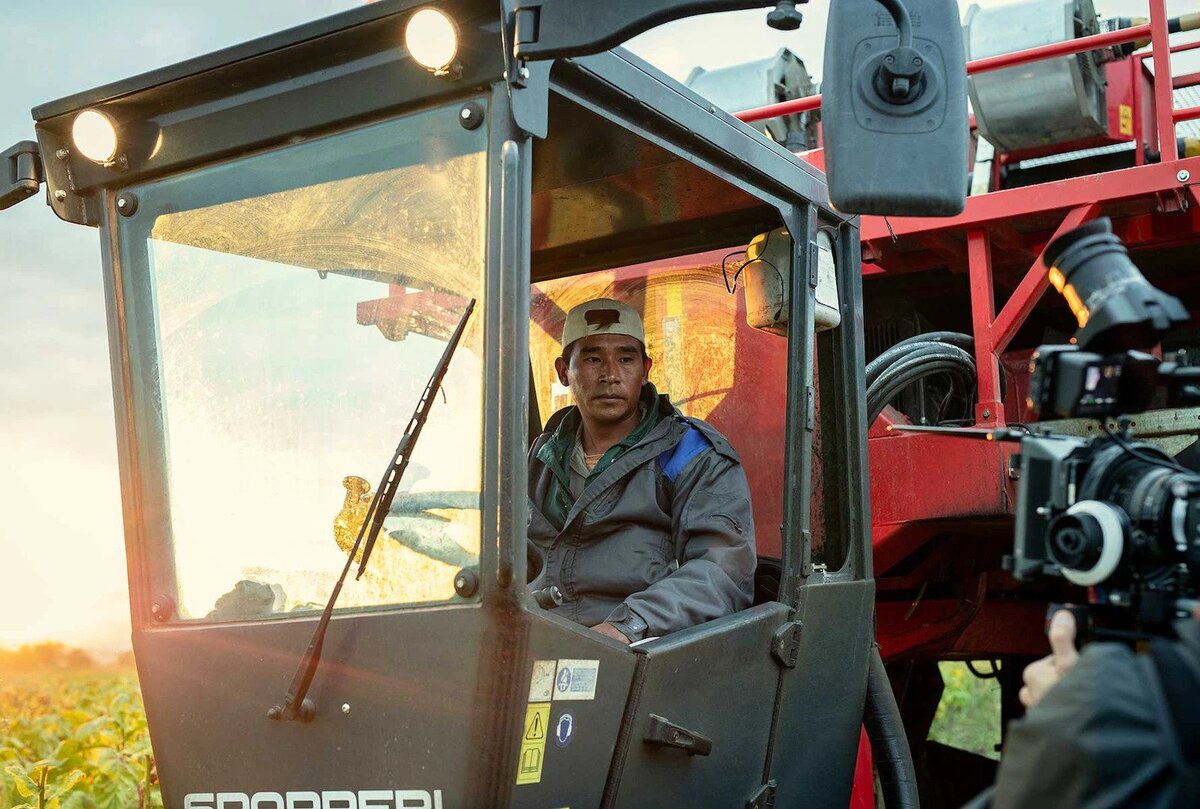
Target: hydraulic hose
875, 406
914, 355
889, 744
921, 362
1175, 25
954, 338
912, 369
905, 347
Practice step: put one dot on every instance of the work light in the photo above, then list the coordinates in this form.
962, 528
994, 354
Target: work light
432, 39
95, 136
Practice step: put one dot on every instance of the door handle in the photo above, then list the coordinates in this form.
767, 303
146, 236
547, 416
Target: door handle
666, 733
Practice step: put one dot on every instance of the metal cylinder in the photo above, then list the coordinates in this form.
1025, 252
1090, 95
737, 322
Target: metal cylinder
1040, 103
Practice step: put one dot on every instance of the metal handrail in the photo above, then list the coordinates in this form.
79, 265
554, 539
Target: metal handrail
987, 63
1068, 47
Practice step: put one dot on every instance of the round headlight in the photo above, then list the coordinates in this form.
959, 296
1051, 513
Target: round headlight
95, 136
432, 39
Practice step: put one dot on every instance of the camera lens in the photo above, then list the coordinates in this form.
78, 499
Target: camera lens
1087, 541
1114, 305
1076, 540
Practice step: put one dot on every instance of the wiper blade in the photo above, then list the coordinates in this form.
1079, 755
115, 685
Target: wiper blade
295, 704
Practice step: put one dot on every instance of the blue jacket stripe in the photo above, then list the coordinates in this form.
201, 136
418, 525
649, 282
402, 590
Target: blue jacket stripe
675, 459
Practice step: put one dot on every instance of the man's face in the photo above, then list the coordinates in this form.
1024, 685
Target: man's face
605, 374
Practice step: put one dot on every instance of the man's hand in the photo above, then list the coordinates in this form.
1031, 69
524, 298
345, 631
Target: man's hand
1040, 676
612, 632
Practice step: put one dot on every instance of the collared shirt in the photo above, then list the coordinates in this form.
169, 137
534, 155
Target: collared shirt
577, 467
558, 454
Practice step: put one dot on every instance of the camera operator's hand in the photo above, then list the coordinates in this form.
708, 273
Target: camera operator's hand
1040, 676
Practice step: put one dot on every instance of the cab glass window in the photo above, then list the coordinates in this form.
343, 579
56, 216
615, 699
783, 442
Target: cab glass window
286, 311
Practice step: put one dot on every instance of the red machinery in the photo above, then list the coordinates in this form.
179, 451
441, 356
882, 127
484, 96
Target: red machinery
953, 273
941, 507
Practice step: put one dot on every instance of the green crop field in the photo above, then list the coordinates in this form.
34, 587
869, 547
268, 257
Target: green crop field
74, 741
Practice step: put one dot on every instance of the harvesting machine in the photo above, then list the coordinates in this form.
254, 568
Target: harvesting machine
299, 231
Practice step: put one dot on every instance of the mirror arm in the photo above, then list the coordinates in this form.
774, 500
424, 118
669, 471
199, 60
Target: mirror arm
898, 78
21, 173
550, 29
901, 19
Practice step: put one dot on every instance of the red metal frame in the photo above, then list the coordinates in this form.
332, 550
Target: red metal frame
964, 502
941, 508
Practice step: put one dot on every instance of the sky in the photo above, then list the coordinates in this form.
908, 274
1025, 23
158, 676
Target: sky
62, 563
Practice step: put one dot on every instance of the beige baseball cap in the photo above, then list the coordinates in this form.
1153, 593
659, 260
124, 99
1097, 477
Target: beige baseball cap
602, 316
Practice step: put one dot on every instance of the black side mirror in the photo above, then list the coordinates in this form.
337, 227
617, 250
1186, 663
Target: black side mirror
894, 107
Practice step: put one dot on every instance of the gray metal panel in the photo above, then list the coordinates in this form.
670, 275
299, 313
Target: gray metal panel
801, 401
497, 704
408, 691
178, 118
550, 28
842, 412
719, 680
279, 41
781, 77
574, 774
822, 698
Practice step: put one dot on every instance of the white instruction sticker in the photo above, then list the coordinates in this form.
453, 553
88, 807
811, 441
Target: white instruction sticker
541, 684
576, 679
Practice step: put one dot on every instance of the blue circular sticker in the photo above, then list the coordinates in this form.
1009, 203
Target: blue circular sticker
564, 679
564, 730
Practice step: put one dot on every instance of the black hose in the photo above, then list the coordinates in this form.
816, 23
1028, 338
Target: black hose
954, 338
876, 405
889, 744
907, 372
923, 362
916, 354
905, 347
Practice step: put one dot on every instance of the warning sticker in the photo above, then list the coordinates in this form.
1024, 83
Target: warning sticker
533, 743
576, 679
541, 684
1125, 113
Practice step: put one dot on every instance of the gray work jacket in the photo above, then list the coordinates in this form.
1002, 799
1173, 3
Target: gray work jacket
1102, 737
649, 554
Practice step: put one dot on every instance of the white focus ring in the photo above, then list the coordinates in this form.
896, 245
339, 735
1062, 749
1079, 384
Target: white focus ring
1113, 546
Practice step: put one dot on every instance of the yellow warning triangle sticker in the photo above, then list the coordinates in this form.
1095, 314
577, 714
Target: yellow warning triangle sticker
535, 730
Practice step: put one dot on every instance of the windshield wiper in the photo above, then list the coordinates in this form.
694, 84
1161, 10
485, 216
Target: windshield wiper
295, 703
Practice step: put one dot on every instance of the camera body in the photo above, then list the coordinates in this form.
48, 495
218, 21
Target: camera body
1126, 526
1118, 516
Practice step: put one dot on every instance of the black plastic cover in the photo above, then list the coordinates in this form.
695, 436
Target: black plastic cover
903, 159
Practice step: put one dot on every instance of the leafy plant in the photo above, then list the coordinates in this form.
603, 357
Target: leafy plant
75, 741
968, 716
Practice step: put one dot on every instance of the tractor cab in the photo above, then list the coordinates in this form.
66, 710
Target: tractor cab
296, 233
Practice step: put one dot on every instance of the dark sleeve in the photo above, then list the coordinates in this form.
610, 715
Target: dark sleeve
713, 526
1099, 737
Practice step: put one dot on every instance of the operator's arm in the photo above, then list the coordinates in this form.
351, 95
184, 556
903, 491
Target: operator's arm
713, 524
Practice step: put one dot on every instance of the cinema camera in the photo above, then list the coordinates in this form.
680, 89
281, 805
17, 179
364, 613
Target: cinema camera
1110, 513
